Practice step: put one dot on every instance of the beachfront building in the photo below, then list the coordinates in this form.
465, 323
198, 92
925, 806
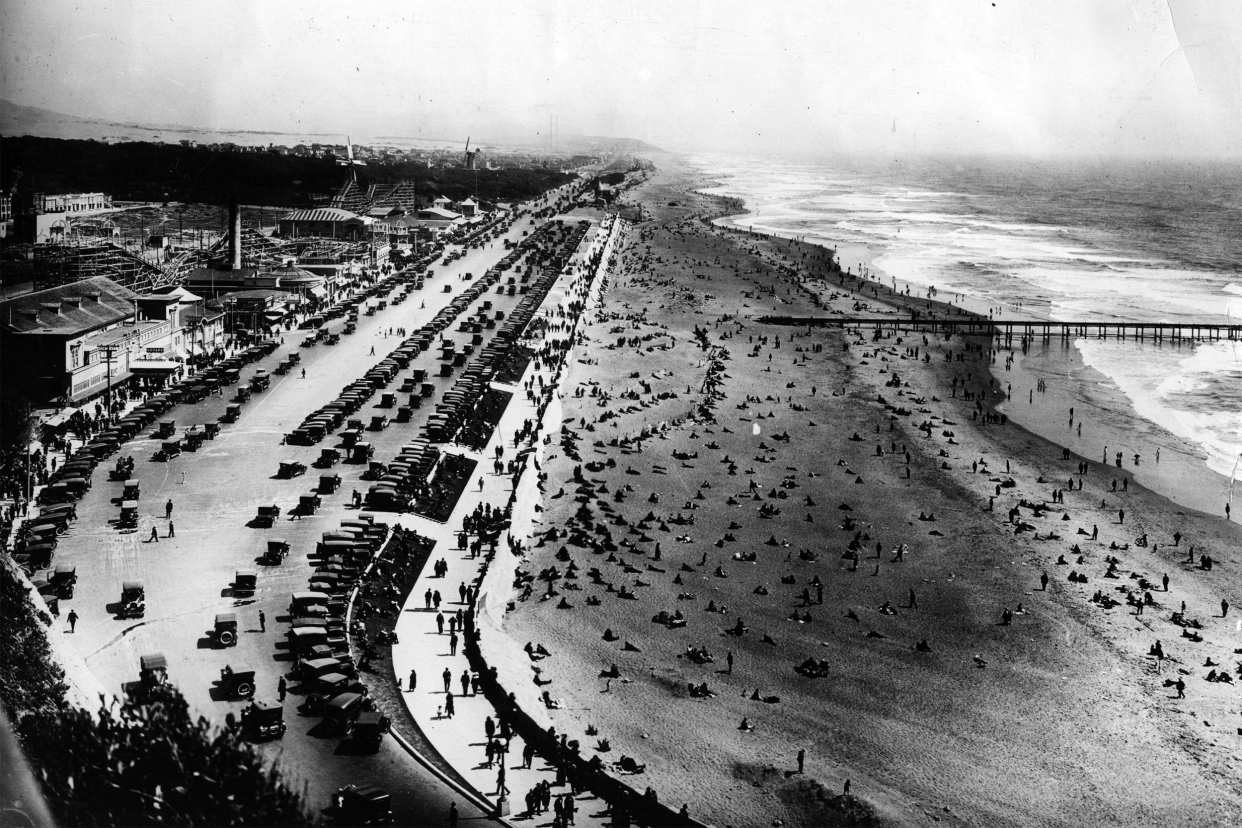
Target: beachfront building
439, 219
326, 222
70, 343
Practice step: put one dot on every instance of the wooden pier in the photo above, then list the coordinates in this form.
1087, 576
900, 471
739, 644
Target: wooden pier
1023, 328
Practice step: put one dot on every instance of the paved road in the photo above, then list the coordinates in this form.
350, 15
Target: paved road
214, 493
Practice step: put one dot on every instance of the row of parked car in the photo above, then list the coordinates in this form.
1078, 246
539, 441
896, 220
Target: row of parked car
317, 637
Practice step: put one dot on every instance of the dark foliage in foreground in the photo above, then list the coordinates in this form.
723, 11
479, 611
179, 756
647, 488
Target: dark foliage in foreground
151, 763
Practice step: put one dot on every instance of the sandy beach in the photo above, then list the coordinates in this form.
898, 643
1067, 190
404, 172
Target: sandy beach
823, 508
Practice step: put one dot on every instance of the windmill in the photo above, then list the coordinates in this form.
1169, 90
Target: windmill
470, 156
350, 161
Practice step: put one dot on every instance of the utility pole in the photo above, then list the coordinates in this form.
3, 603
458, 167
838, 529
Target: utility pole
108, 349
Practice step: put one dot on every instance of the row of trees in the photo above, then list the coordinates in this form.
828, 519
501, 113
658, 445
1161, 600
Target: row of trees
143, 171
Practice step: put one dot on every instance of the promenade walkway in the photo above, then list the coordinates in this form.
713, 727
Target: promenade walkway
462, 739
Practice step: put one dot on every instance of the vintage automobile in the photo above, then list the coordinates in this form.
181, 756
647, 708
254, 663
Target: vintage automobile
329, 483
277, 549
194, 439
309, 604
129, 515
291, 469
232, 413
302, 640
225, 629
309, 503
167, 429
212, 430
264, 719
153, 669
63, 580
261, 381
245, 581
362, 452
243, 394
360, 805
267, 516
168, 450
237, 682
133, 600
328, 687
341, 712
370, 727
132, 490
328, 458
308, 669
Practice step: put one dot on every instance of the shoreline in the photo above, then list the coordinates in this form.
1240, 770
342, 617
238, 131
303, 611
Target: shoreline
1188, 482
878, 695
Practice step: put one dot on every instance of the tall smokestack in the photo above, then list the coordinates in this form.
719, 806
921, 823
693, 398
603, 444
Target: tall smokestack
235, 245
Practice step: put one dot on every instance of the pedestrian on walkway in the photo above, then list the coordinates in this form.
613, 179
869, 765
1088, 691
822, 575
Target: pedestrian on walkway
262, 621
440, 622
448, 679
528, 754
168, 509
489, 727
413, 681
453, 644
73, 620
465, 682
501, 788
448, 706
427, 599
435, 598
154, 536
452, 816
282, 688
172, 529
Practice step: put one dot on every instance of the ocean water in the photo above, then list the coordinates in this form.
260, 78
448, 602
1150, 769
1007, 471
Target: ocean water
1060, 240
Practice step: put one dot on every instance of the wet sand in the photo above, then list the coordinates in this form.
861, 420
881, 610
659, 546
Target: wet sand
1057, 718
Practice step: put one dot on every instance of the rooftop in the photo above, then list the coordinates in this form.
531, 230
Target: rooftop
324, 214
70, 309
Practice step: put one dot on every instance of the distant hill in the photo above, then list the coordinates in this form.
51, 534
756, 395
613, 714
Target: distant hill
17, 120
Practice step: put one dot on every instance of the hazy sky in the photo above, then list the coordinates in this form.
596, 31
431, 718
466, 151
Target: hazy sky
1039, 76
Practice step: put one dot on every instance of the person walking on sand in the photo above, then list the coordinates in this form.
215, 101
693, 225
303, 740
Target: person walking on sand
73, 619
1224, 608
1121, 516
1181, 688
847, 788
729, 661
801, 760
168, 507
154, 536
1043, 581
914, 602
